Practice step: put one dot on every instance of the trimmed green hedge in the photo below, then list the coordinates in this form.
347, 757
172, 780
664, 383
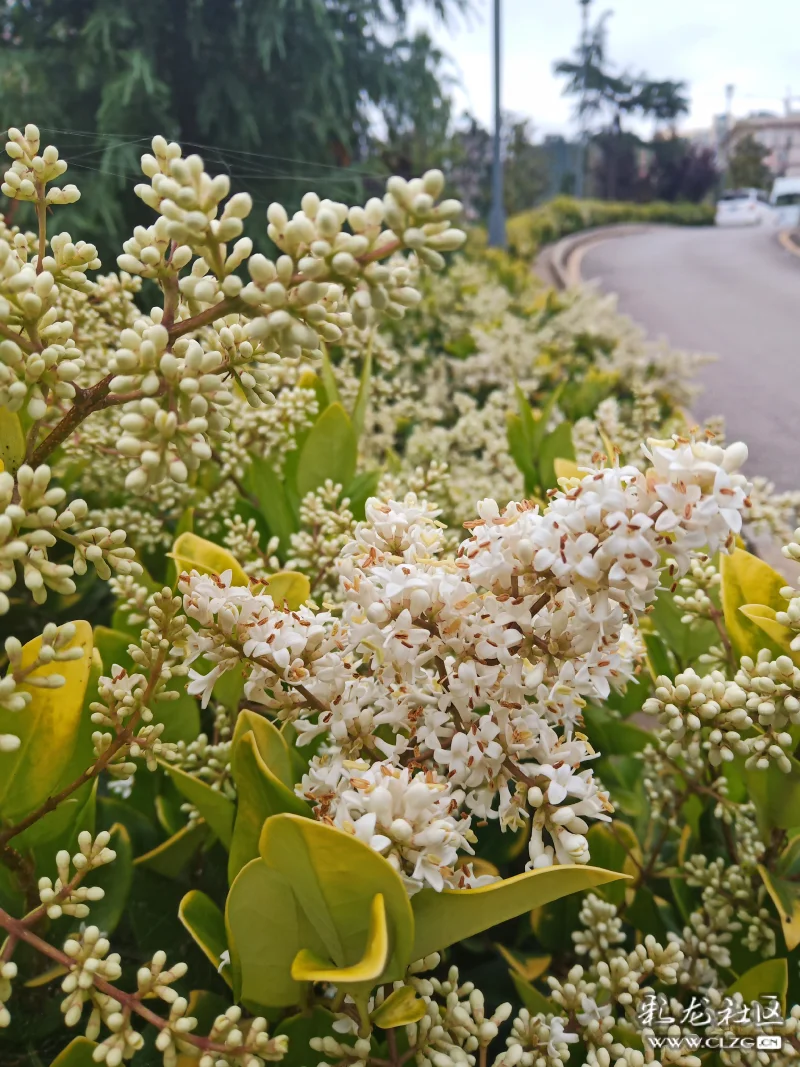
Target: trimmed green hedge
558, 218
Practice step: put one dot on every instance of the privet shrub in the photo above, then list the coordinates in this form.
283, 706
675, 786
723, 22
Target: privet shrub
333, 766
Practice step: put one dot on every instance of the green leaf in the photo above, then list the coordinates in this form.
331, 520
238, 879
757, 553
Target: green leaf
329, 451
319, 860
687, 643
307, 966
776, 796
611, 735
206, 923
115, 879
358, 492
786, 898
217, 809
530, 996
261, 795
746, 581
270, 742
612, 853
555, 445
300, 1029
520, 451
78, 1053
269, 490
48, 728
265, 930
441, 919
401, 1008
769, 977
289, 589
362, 399
196, 553
12, 441
328, 377
171, 856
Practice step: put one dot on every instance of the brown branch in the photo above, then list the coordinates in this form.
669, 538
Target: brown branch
18, 931
24, 343
718, 619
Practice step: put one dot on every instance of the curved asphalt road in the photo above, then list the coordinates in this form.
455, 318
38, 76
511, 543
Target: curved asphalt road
734, 293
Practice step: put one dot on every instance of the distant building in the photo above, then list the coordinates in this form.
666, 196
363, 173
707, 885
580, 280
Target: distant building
779, 134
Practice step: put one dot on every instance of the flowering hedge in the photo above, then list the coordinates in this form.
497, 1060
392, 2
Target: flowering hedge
563, 215
319, 763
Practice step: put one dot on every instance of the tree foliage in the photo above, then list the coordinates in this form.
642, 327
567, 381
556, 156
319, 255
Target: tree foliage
746, 167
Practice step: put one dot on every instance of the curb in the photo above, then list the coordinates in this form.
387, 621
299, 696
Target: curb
790, 241
559, 263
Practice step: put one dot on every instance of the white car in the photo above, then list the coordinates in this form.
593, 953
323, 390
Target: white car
743, 207
785, 200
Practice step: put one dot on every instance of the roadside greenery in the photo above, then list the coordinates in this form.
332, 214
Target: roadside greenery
562, 216
296, 768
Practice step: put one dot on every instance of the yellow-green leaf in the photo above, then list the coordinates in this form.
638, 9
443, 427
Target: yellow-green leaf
530, 996
78, 1053
48, 728
748, 580
763, 616
768, 978
217, 809
566, 468
289, 589
441, 919
529, 967
206, 923
786, 898
308, 967
401, 1008
319, 861
270, 742
171, 856
776, 796
261, 794
191, 552
12, 441
265, 930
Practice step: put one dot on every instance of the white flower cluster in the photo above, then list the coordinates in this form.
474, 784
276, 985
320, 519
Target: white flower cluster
460, 682
30, 172
66, 896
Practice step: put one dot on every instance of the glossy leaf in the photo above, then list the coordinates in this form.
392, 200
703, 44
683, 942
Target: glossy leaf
12, 441
358, 492
768, 978
401, 1008
520, 450
530, 996
786, 898
776, 796
78, 1053
748, 580
763, 616
29, 774
319, 861
441, 919
530, 967
171, 856
217, 809
300, 1028
329, 451
270, 742
555, 445
265, 930
269, 491
206, 923
566, 468
307, 966
261, 795
191, 552
289, 589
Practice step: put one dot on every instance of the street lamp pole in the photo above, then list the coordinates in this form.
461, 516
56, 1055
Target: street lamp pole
497, 215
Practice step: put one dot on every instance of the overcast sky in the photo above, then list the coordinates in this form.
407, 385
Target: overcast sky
709, 43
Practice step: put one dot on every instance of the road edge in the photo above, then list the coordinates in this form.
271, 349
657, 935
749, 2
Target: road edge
559, 263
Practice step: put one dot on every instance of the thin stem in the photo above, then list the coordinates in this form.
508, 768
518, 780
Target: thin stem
718, 619
41, 218
17, 338
18, 931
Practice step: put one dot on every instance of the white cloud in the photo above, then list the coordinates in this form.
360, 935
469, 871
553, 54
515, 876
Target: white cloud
709, 43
